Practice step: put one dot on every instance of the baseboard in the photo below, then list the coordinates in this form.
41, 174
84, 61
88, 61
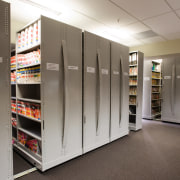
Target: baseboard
61, 160
95, 146
124, 133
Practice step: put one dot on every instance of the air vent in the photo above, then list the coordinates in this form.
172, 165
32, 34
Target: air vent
145, 34
6, 20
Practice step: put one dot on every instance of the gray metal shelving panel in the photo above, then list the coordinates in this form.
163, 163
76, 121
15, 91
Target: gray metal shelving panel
6, 170
119, 91
96, 93
147, 89
140, 66
59, 94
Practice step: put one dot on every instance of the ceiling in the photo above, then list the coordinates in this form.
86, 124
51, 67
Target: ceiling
130, 22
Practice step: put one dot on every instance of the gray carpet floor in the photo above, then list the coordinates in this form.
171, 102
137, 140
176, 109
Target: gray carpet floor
149, 154
20, 164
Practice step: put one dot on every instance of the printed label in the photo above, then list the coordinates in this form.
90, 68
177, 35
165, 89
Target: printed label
1, 60
90, 69
104, 71
146, 78
126, 74
73, 67
178, 77
116, 72
52, 66
167, 77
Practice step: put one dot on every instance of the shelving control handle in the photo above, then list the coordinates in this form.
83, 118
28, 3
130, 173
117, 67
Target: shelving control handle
98, 91
120, 89
65, 92
173, 87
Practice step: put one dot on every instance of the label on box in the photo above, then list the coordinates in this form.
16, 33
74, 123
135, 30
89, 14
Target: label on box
178, 77
90, 69
116, 72
52, 66
1, 60
73, 67
126, 74
104, 71
167, 77
146, 78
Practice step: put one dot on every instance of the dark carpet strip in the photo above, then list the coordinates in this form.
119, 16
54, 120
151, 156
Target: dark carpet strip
149, 154
20, 164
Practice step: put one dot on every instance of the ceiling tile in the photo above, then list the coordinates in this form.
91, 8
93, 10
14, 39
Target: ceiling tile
175, 4
153, 40
102, 11
178, 12
132, 42
136, 28
164, 24
143, 9
173, 36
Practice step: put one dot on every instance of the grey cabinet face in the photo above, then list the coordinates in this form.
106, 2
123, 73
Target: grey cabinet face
61, 91
119, 91
171, 89
167, 105
146, 108
5, 124
177, 90
96, 91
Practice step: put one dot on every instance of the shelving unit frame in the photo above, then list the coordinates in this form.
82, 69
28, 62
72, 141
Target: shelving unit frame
58, 93
149, 93
135, 118
6, 170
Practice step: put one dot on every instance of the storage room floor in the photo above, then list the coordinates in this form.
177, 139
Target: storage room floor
149, 154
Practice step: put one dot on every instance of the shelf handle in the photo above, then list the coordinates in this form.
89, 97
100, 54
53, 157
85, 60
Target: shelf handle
65, 92
98, 91
173, 87
120, 89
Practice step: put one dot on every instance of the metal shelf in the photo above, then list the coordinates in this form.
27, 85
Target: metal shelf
32, 132
30, 100
13, 112
132, 104
157, 85
133, 65
28, 49
157, 78
156, 106
156, 71
13, 98
157, 114
13, 69
156, 99
28, 83
33, 119
132, 114
132, 85
22, 149
132, 75
31, 65
132, 94
13, 83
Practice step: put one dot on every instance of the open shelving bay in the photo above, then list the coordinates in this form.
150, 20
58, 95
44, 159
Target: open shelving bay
26, 93
135, 87
47, 73
152, 89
